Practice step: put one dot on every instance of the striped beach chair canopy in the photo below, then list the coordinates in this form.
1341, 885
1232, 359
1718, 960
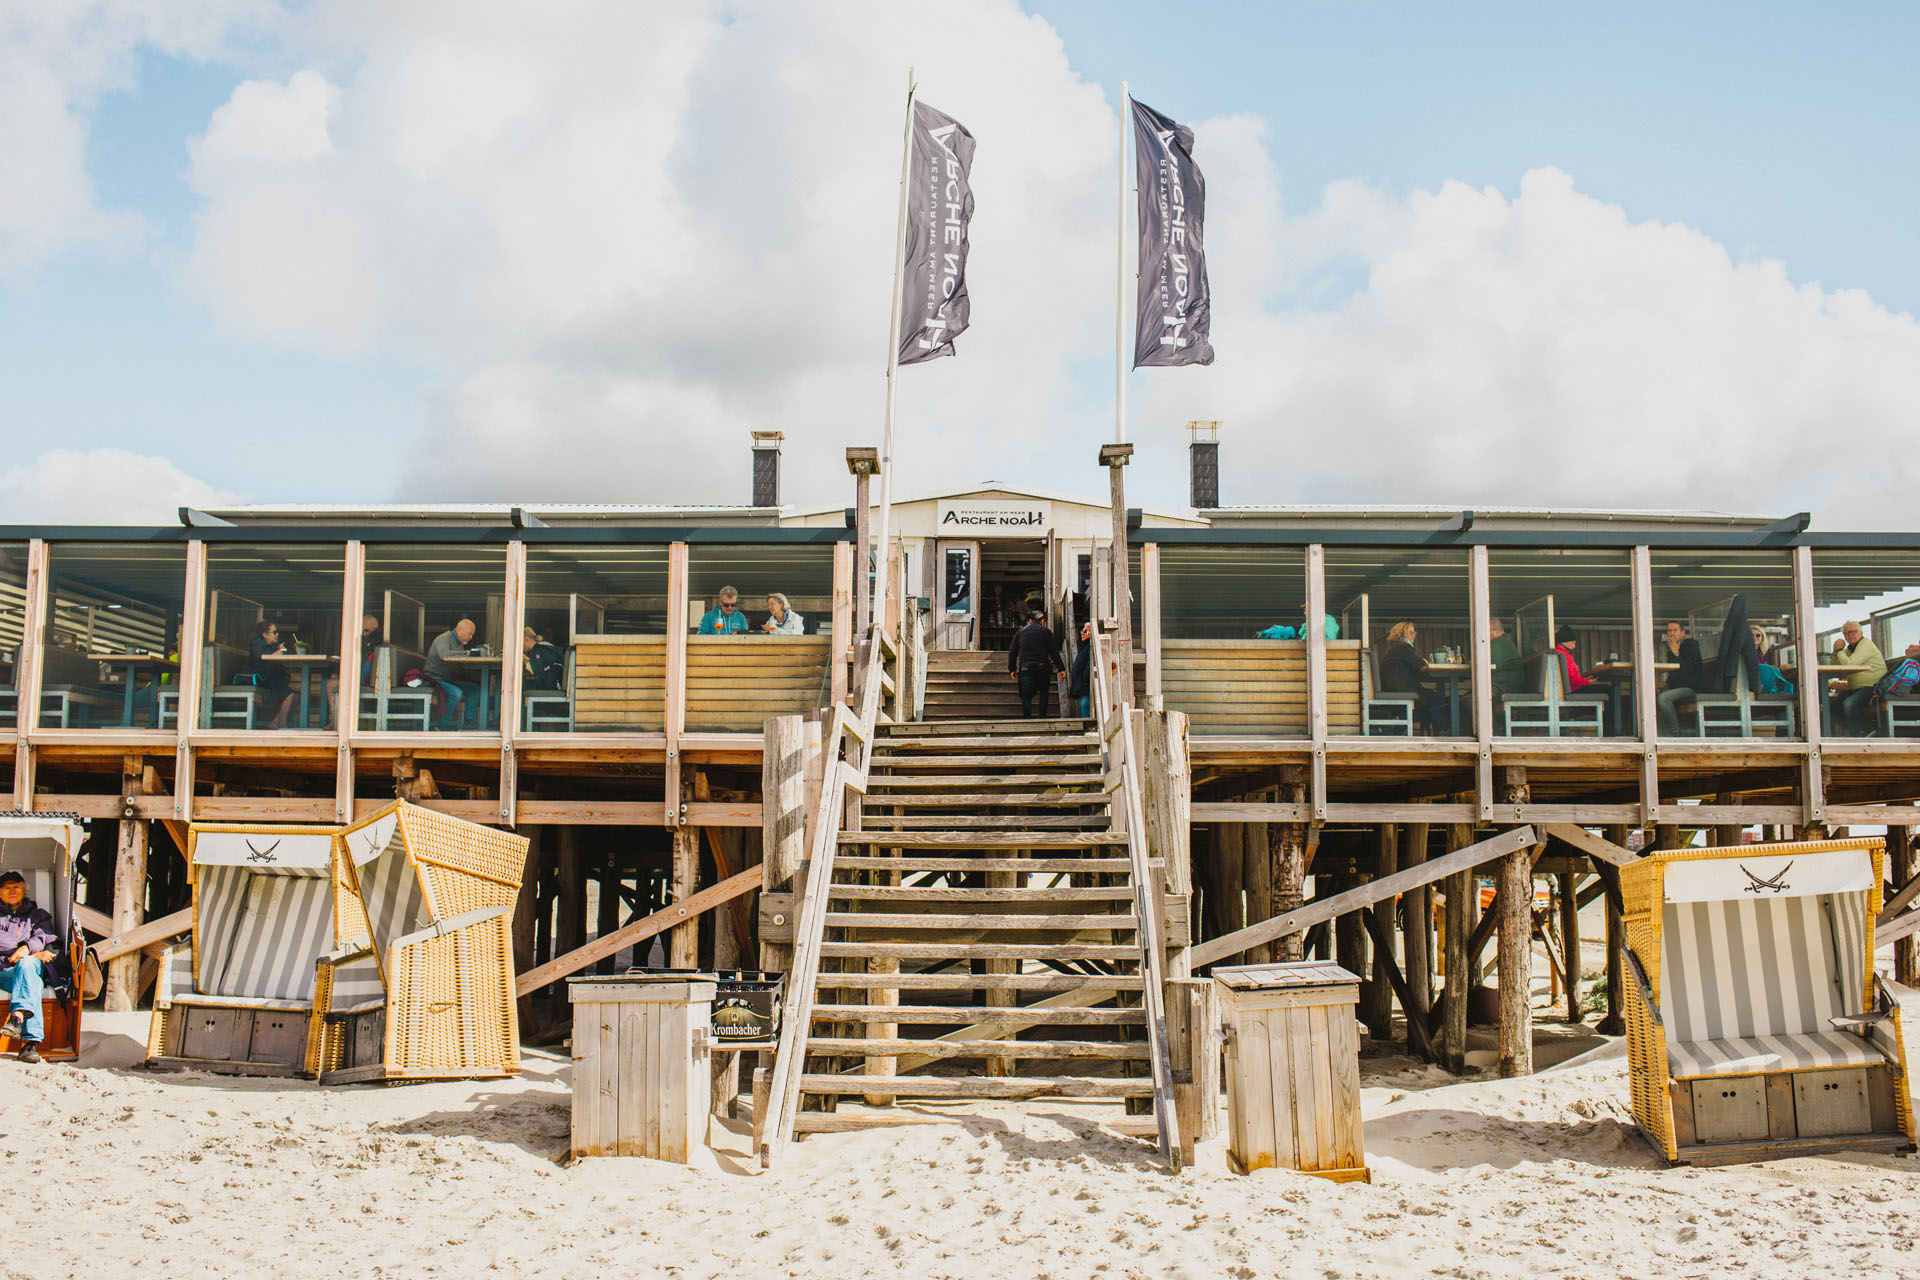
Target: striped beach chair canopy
41, 848
1759, 954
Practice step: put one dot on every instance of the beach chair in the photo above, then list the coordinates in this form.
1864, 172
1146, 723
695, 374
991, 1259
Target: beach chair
425, 903
41, 847
237, 998
1757, 1027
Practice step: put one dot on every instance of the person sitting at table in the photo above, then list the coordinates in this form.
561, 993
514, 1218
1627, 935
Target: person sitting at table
1773, 678
1689, 679
456, 691
1852, 693
270, 680
1509, 672
1401, 667
1578, 684
542, 665
781, 619
369, 652
725, 618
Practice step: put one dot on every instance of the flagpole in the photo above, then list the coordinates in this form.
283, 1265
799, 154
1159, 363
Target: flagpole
1120, 278
893, 352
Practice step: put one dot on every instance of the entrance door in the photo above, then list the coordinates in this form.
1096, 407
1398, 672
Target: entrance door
1012, 584
959, 595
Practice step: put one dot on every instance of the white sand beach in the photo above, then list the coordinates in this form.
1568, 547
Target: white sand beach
191, 1175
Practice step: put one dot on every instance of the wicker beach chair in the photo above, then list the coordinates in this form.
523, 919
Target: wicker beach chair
1758, 1028
41, 847
424, 902
238, 997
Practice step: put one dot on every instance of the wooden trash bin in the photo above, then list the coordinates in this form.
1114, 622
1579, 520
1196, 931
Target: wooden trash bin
1293, 1069
641, 1085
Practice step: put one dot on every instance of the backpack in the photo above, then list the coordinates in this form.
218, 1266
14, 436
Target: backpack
1899, 680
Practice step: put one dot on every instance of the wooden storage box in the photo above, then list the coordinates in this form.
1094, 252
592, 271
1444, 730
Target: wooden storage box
641, 1084
1293, 1068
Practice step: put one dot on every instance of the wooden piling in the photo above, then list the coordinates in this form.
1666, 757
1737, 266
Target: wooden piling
1906, 957
1516, 943
1417, 928
1256, 866
1615, 1022
129, 890
1570, 942
683, 941
1376, 994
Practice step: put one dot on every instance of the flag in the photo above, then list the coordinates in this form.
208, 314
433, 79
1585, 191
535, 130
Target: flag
1173, 316
933, 301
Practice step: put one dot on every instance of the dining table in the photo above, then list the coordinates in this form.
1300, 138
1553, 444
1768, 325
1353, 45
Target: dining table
1620, 675
1453, 673
307, 664
486, 669
134, 664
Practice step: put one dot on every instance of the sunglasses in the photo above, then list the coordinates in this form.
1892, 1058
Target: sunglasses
726, 605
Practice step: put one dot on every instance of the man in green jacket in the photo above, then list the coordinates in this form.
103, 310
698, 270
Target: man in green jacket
1509, 676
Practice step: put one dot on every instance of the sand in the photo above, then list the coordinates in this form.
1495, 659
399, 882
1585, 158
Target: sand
200, 1175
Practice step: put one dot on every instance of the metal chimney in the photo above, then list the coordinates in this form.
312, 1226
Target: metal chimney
1203, 462
766, 468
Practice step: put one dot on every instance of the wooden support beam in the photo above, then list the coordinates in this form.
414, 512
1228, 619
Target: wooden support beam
1377, 994
512, 679
1193, 1038
1516, 942
1482, 617
683, 944
1812, 691
841, 622
1590, 844
129, 891
28, 657
1906, 956
676, 693
118, 944
1570, 942
1317, 680
1615, 1022
1150, 620
638, 931
1646, 706
722, 859
1417, 1037
1459, 888
863, 469
1519, 838
1288, 844
1416, 931
193, 612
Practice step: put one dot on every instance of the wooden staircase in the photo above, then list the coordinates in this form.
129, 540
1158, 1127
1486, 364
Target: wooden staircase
971, 684
981, 930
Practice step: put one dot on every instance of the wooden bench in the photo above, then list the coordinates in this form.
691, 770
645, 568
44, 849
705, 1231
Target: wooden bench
734, 683
64, 707
620, 684
1233, 688
1898, 712
1740, 713
1546, 709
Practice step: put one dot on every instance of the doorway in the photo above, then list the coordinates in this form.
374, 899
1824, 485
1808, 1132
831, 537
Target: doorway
1012, 581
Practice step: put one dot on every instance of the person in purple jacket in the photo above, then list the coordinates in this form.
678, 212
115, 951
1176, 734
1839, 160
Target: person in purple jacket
28, 945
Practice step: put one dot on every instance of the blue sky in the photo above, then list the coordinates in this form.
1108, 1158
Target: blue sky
1776, 131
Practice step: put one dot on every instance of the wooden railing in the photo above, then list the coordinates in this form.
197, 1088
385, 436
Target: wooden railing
848, 751
1122, 781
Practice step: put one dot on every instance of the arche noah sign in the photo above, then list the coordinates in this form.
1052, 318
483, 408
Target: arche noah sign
995, 519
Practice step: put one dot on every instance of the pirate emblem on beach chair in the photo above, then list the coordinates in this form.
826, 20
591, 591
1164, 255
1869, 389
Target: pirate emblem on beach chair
1757, 1027
423, 904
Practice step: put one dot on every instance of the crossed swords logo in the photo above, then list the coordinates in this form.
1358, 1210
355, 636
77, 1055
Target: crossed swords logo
263, 856
1776, 885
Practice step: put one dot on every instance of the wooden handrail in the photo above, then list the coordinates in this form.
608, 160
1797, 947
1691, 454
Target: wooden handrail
1112, 718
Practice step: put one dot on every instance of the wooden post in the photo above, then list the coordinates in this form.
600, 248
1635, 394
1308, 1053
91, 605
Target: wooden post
1317, 678
1516, 942
193, 612
129, 888
1460, 889
842, 624
1570, 942
1646, 705
1906, 958
1615, 1023
570, 926
1150, 621
513, 668
863, 463
1481, 603
676, 722
28, 660
1169, 794
346, 708
1416, 928
1114, 457
683, 942
1256, 867
1349, 934
1376, 996
783, 818
1813, 689
1288, 843
607, 917
1193, 1044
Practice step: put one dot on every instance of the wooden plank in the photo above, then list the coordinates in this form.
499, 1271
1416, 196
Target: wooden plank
1366, 895
1812, 692
1260, 1079
1590, 844
676, 675
1008, 1087
28, 658
639, 930
858, 1046
842, 620
1093, 988
118, 944
586, 1078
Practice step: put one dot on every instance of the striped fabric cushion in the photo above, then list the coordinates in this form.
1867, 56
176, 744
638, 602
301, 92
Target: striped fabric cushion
396, 905
260, 932
1690, 1060
357, 985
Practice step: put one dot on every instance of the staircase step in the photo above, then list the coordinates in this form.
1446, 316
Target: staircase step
1045, 983
960, 822
978, 1087
1016, 897
988, 799
878, 784
864, 1047
986, 840
1017, 866
844, 1121
970, 1014
897, 743
1013, 920
979, 951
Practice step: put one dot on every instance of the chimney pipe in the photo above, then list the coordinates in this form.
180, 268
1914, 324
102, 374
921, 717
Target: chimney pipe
1203, 462
766, 468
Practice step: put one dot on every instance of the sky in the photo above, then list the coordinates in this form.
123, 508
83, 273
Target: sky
1633, 255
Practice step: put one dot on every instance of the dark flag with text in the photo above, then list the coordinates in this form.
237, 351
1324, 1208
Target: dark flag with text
1174, 317
933, 301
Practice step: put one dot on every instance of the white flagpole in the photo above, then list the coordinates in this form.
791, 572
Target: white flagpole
1120, 277
893, 357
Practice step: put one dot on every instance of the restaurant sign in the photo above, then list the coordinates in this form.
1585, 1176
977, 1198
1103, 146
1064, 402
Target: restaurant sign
967, 519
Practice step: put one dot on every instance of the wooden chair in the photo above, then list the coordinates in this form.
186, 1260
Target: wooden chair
238, 997
41, 846
390, 706
551, 710
1547, 710
1383, 715
424, 905
1757, 1027
1900, 715
1738, 714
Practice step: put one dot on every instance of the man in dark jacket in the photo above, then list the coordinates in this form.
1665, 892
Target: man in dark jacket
1080, 679
1032, 660
28, 944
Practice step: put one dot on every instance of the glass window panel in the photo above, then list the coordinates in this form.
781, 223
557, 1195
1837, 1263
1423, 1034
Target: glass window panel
296, 589
112, 657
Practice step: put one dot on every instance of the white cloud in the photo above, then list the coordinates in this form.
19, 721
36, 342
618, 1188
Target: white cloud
102, 486
57, 59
